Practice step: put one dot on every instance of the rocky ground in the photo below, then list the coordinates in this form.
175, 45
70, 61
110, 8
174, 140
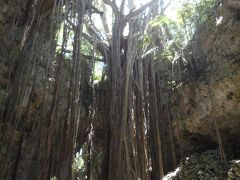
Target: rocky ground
234, 172
205, 166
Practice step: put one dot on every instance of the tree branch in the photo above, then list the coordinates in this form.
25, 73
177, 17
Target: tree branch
95, 59
164, 8
85, 56
140, 10
113, 6
104, 21
122, 6
100, 46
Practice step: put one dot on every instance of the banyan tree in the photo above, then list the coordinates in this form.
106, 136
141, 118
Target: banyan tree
55, 109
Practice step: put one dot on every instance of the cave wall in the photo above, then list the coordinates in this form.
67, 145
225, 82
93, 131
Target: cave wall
20, 135
24, 134
211, 89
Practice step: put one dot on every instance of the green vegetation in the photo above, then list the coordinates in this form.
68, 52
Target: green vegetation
175, 34
80, 163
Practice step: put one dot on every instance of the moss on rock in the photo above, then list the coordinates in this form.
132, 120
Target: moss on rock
205, 166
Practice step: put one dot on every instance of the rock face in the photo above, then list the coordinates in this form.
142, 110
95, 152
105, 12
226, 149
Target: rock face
234, 172
23, 133
207, 165
208, 102
30, 144
211, 100
20, 156
234, 4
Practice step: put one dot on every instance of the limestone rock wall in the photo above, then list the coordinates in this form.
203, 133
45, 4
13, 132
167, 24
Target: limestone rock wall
213, 95
24, 134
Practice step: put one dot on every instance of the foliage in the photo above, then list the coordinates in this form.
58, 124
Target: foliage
194, 13
80, 162
175, 34
98, 71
